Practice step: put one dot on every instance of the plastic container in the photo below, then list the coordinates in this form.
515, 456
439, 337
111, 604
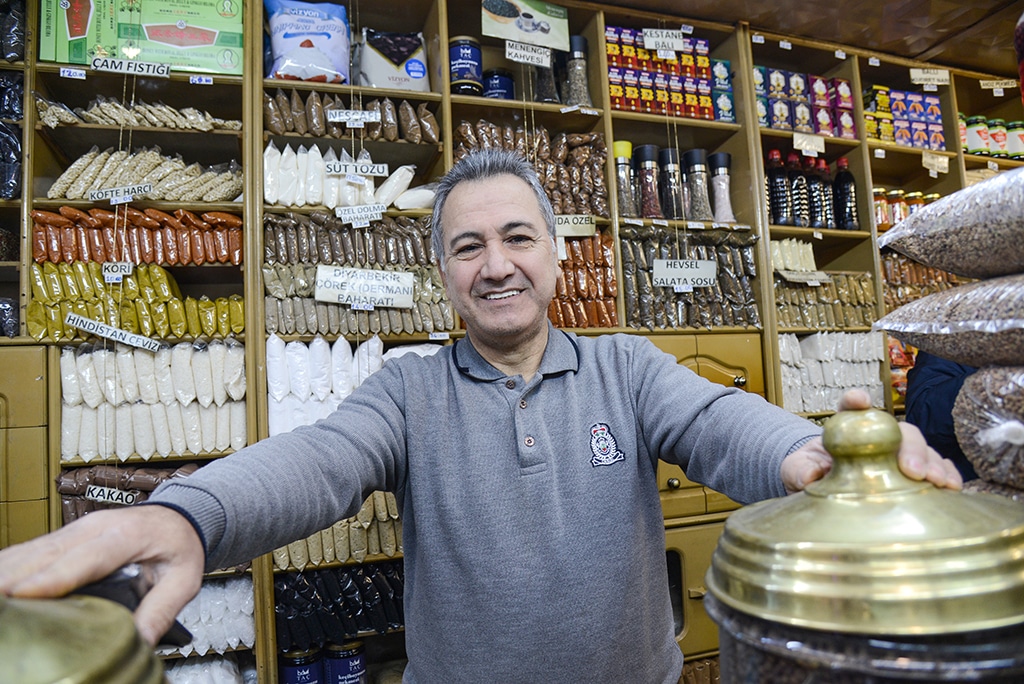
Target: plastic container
883, 220
344, 663
898, 210
798, 189
499, 84
695, 162
997, 138
301, 667
779, 199
1015, 140
844, 196
465, 65
826, 191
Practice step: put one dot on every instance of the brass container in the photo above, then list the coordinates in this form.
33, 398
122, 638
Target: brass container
74, 640
910, 578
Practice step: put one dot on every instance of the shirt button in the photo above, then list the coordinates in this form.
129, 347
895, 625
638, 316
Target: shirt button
522, 403
511, 384
528, 441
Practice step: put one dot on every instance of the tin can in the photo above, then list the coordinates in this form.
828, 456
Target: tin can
464, 61
344, 663
977, 135
1015, 139
997, 138
301, 667
498, 83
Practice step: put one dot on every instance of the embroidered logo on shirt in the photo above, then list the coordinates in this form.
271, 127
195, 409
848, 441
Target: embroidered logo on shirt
602, 443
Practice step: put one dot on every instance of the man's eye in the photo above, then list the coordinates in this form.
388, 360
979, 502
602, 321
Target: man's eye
464, 251
520, 239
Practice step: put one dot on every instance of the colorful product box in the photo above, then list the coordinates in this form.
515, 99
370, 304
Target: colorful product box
725, 106
778, 83
616, 91
631, 89
919, 134
675, 95
643, 56
936, 137
901, 132
780, 113
822, 119
646, 83
886, 129
703, 86
898, 104
870, 126
687, 59
627, 44
803, 117
76, 32
661, 93
798, 88
876, 99
932, 109
612, 45
817, 87
915, 106
761, 107
721, 75
846, 127
705, 107
840, 94
760, 77
702, 57
691, 105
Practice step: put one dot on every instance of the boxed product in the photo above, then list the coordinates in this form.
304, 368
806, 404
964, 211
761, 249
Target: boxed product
761, 106
643, 55
932, 109
77, 33
846, 127
631, 89
705, 107
687, 59
780, 113
628, 39
919, 134
840, 93
817, 86
760, 81
725, 106
661, 93
936, 137
915, 106
675, 95
615, 88
702, 57
778, 83
393, 60
886, 130
898, 104
691, 104
612, 47
798, 89
721, 75
189, 35
876, 99
901, 132
870, 126
822, 118
802, 117
645, 81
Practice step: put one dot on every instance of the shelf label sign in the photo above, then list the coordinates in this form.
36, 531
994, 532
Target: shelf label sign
935, 77
998, 85
200, 80
575, 225
361, 287
120, 195
111, 333
68, 72
664, 39
524, 53
110, 495
115, 271
934, 162
130, 67
353, 118
337, 168
682, 272
360, 215
812, 278
810, 145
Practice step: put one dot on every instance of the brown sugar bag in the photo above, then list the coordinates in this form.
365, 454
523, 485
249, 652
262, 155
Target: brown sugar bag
389, 120
272, 120
428, 124
408, 125
315, 121
298, 108
284, 106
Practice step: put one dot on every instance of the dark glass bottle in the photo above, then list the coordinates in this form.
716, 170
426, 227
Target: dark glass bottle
780, 200
844, 190
826, 190
798, 189
815, 194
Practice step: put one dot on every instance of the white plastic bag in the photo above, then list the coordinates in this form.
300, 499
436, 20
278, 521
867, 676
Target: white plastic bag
181, 373
314, 176
367, 359
125, 360
161, 429
301, 163
278, 383
297, 356
202, 373
162, 374
71, 392
234, 370
332, 181
288, 169
145, 371
397, 183
320, 368
342, 380
271, 173
142, 427
218, 354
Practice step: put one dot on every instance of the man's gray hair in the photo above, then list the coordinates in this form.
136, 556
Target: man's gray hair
481, 165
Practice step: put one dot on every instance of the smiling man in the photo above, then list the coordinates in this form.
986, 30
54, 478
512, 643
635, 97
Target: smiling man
523, 458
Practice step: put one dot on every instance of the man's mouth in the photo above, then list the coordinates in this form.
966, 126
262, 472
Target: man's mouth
502, 295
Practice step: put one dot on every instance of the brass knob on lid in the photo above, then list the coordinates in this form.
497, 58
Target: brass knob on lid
868, 550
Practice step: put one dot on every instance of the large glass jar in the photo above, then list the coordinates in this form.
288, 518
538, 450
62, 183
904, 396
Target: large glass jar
671, 184
577, 87
696, 163
645, 165
624, 185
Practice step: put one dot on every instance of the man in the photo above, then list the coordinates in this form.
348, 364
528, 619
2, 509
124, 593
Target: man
523, 459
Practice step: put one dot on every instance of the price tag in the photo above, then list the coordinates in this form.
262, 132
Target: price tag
930, 88
874, 61
682, 289
589, 112
814, 278
111, 333
932, 173
934, 162
992, 166
840, 54
879, 153
929, 76
692, 272
813, 283
360, 213
356, 169
998, 92
630, 222
667, 54
757, 38
130, 67
200, 80
663, 39
115, 271
659, 222
359, 306
740, 226
687, 29
575, 225
785, 45
572, 108
360, 287
524, 53
810, 145
695, 225
438, 336
67, 72
817, 235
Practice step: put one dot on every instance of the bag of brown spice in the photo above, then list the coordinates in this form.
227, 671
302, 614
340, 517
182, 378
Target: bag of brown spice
988, 417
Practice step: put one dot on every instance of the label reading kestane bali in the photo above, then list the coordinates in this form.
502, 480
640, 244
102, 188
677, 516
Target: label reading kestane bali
362, 288
682, 272
664, 39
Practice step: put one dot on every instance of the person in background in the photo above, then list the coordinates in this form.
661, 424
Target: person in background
932, 386
523, 458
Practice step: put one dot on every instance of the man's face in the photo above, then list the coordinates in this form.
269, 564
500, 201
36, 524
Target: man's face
500, 261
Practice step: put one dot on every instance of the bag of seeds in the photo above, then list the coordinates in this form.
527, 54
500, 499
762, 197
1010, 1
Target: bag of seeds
988, 417
974, 232
978, 324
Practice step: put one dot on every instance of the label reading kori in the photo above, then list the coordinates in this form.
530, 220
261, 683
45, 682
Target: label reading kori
364, 287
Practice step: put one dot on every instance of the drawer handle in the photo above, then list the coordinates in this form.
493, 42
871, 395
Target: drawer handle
740, 381
696, 593
674, 483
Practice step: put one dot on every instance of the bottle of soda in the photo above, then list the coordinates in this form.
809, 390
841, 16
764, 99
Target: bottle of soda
815, 195
826, 192
844, 190
780, 199
798, 189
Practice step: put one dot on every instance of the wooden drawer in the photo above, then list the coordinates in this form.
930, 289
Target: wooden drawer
688, 551
23, 520
22, 387
24, 473
733, 360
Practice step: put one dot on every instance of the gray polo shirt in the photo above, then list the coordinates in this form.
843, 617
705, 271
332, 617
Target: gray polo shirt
532, 528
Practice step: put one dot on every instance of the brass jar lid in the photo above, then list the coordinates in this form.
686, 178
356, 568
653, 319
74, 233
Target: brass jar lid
868, 550
74, 640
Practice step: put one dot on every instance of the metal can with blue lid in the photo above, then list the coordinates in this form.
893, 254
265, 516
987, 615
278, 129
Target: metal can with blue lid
465, 65
499, 84
301, 667
344, 663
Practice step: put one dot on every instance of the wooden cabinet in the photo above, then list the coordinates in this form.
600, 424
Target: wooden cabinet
24, 460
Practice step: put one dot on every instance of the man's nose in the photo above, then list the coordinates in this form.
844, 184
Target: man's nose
497, 264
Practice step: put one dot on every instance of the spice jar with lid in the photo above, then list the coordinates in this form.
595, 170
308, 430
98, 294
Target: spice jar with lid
544, 86
720, 163
1015, 140
897, 206
882, 219
868, 576
977, 135
695, 162
914, 201
499, 84
464, 59
645, 164
997, 137
931, 197
624, 186
670, 182
577, 87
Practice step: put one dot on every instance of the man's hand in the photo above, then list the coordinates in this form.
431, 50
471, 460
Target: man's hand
917, 460
92, 547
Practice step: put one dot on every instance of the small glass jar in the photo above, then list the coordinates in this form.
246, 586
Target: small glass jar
623, 151
645, 162
897, 206
915, 202
544, 87
670, 184
962, 122
1015, 140
577, 87
997, 138
931, 197
882, 217
977, 135
696, 163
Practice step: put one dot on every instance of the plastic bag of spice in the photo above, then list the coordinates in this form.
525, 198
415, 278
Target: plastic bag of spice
988, 417
408, 124
428, 124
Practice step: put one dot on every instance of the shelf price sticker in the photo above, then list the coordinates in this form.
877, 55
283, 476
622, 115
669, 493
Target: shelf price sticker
360, 215
935, 162
810, 145
992, 166
575, 225
785, 45
363, 287
685, 272
879, 153
812, 278
120, 195
695, 225
115, 271
664, 39
111, 333
337, 168
687, 29
935, 77
68, 72
840, 54
757, 39
439, 336
524, 53
200, 80
874, 61
353, 118
130, 67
